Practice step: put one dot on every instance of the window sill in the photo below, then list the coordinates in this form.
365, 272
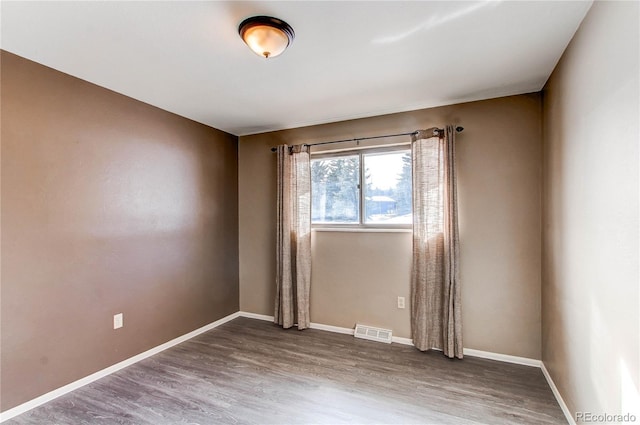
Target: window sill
362, 229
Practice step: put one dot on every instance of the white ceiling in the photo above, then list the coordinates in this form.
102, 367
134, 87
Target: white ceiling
348, 60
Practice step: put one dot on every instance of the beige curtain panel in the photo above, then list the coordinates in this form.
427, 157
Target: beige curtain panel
436, 315
293, 246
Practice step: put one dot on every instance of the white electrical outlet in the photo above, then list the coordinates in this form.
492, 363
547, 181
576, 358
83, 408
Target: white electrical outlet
118, 321
400, 302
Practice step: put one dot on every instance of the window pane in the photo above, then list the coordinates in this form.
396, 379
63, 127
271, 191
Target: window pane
334, 190
388, 188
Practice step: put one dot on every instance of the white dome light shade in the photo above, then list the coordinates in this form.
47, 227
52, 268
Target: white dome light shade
266, 36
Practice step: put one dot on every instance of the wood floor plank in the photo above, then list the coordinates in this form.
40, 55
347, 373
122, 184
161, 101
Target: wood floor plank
252, 372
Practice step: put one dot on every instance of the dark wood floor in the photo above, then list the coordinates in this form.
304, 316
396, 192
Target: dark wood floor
252, 372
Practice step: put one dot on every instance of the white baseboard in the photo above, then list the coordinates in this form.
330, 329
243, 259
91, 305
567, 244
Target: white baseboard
38, 401
501, 357
402, 340
334, 329
407, 341
556, 393
319, 326
255, 316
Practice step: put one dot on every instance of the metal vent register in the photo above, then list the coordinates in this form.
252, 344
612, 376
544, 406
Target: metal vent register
373, 334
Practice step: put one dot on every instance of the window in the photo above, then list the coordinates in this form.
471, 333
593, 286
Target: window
335, 190
385, 199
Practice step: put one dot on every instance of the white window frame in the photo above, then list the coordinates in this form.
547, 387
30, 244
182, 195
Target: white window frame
361, 226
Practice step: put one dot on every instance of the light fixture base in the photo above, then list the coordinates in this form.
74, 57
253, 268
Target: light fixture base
265, 35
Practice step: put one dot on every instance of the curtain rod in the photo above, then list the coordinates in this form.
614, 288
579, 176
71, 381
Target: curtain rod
458, 129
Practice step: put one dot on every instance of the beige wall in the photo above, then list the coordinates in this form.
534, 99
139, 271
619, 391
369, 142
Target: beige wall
590, 304
357, 277
109, 205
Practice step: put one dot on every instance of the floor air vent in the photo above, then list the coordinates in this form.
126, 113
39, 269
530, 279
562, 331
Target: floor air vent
374, 334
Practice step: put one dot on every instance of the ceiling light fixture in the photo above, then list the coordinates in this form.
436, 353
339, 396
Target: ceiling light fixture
266, 36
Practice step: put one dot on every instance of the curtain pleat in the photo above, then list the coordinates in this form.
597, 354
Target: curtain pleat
293, 237
436, 319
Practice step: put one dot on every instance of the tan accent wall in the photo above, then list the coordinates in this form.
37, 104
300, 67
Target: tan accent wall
109, 206
356, 277
590, 297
